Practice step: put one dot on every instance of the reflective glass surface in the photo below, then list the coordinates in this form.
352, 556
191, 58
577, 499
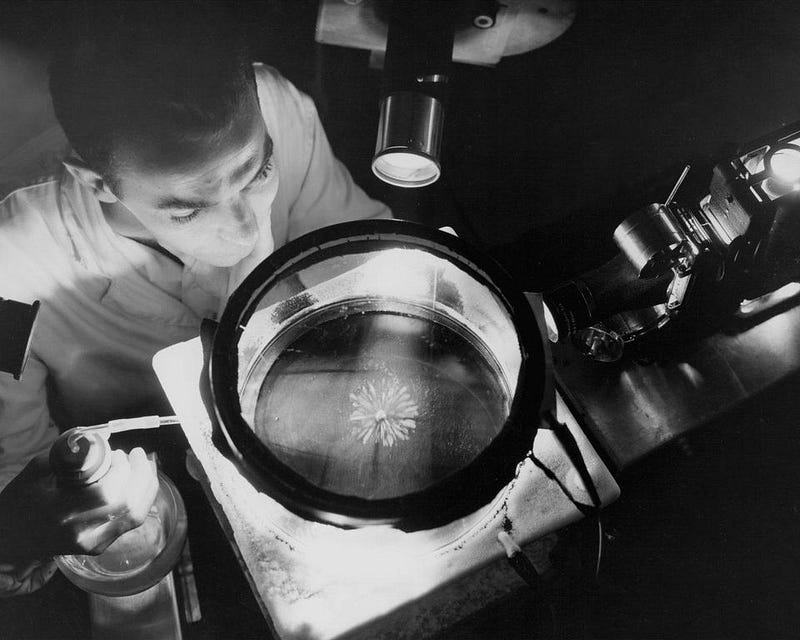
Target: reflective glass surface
378, 374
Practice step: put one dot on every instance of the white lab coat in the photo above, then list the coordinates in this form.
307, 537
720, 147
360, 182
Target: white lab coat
110, 303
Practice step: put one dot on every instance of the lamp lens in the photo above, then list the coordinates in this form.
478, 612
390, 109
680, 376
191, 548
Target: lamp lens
404, 169
785, 164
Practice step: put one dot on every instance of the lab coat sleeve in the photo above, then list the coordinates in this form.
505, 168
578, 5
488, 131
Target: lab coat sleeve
26, 429
327, 194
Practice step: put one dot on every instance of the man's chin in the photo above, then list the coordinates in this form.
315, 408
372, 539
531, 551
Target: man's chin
230, 259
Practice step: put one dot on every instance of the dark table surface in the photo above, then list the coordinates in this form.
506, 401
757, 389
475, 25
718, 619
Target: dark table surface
632, 408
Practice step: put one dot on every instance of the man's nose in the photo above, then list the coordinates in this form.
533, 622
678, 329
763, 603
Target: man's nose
242, 227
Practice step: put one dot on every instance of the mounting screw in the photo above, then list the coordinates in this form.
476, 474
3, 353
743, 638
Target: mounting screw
487, 14
484, 21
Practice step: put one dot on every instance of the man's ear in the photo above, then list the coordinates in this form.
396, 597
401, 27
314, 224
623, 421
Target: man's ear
89, 177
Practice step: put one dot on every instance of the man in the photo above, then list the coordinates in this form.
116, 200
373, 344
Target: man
189, 166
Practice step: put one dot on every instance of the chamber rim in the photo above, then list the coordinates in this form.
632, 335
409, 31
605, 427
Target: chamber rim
457, 495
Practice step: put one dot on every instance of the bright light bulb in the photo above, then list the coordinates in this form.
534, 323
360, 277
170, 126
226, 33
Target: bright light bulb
404, 169
784, 164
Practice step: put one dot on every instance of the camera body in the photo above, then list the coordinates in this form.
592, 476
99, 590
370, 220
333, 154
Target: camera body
689, 265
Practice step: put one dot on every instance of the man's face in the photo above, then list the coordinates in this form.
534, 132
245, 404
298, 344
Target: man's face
199, 198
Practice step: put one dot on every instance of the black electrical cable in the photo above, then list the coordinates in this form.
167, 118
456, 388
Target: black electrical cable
570, 445
599, 549
524, 568
519, 561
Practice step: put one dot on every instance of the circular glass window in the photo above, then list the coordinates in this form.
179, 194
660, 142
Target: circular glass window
373, 366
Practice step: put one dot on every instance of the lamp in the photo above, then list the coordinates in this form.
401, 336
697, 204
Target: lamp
420, 39
783, 163
416, 74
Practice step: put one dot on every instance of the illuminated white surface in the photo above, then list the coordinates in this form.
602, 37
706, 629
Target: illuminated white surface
405, 169
318, 582
785, 165
751, 307
407, 275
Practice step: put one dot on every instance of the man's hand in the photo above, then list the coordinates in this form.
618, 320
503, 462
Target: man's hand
40, 519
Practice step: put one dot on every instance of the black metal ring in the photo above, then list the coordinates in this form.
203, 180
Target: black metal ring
455, 496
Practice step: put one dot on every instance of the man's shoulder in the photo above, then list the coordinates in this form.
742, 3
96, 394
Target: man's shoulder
39, 156
26, 207
282, 104
270, 78
28, 217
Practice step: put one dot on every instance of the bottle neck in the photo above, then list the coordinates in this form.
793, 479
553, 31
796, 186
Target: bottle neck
80, 458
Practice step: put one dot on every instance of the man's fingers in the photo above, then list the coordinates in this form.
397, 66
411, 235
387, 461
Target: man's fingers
113, 507
120, 461
140, 463
39, 576
145, 481
97, 540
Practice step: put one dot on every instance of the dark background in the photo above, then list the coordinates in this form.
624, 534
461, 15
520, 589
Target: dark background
550, 150
546, 153
543, 156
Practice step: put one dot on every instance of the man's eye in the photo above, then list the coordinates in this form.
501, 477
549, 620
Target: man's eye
264, 173
187, 218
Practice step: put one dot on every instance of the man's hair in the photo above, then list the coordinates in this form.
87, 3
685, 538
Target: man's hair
148, 72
